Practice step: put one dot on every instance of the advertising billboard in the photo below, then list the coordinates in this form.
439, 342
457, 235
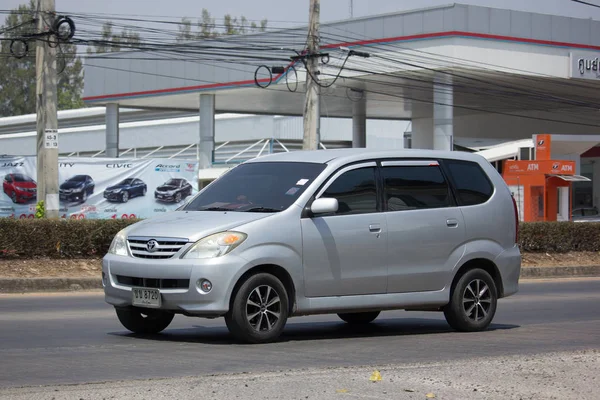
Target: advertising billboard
100, 187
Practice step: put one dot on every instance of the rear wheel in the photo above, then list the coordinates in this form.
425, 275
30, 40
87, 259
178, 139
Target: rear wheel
359, 318
473, 302
259, 309
144, 321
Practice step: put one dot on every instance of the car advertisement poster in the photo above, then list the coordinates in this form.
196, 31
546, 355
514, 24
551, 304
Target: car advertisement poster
100, 187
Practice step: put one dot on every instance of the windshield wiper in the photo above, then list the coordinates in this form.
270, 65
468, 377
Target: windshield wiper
262, 209
215, 209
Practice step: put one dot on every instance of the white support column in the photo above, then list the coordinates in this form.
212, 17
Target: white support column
207, 131
443, 112
112, 130
422, 133
359, 122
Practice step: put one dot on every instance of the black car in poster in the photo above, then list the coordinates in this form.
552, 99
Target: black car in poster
77, 188
126, 189
173, 190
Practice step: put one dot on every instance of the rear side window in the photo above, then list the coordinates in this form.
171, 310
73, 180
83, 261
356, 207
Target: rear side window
415, 187
355, 191
472, 184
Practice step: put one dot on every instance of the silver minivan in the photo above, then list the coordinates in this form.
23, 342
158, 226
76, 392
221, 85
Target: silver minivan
350, 231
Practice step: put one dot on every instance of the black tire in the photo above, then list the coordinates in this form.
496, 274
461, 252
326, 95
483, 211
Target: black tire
264, 327
359, 318
144, 321
14, 197
84, 196
144, 190
178, 197
476, 312
125, 197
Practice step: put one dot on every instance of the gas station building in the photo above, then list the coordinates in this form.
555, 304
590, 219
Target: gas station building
489, 80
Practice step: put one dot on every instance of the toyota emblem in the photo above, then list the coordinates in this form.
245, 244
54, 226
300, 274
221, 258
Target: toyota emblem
152, 246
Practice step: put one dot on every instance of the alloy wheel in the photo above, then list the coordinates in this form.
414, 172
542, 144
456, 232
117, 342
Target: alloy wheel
263, 308
477, 300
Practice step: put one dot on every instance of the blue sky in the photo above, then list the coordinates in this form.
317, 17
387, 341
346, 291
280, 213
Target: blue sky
284, 12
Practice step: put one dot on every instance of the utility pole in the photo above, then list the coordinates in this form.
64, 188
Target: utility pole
47, 122
312, 106
351, 8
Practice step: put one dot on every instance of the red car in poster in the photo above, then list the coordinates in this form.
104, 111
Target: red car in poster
20, 188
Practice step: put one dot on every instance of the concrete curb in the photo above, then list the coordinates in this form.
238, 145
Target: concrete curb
560, 272
27, 285
30, 285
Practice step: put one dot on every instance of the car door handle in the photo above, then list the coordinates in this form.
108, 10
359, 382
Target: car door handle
375, 228
452, 223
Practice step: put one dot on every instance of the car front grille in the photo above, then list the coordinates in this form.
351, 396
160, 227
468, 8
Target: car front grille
153, 282
166, 248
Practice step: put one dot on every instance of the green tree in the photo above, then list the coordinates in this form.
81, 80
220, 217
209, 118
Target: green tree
17, 76
185, 30
111, 42
208, 29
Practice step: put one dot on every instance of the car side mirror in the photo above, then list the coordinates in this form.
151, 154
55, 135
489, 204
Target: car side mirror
324, 205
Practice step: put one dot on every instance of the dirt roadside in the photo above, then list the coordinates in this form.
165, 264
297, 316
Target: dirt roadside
562, 376
89, 268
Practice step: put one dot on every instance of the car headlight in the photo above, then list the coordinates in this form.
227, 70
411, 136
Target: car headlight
119, 244
216, 245
117, 190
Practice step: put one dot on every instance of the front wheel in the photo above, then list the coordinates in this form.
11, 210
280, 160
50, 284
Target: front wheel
125, 197
144, 321
359, 318
473, 302
259, 310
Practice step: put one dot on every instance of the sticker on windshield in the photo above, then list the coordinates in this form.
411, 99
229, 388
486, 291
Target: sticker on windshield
302, 182
292, 191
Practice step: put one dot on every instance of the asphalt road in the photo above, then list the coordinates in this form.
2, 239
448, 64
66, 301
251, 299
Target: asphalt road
76, 338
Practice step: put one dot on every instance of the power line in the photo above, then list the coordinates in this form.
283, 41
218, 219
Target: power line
586, 3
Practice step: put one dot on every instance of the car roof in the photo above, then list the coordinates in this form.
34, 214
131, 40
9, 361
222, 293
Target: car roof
357, 154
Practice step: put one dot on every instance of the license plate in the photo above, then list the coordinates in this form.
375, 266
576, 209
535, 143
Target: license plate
143, 297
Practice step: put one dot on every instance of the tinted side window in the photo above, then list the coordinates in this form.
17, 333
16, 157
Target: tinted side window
472, 185
355, 191
415, 187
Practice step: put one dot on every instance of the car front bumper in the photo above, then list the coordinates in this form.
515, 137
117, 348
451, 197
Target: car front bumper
113, 196
164, 197
73, 196
23, 197
222, 272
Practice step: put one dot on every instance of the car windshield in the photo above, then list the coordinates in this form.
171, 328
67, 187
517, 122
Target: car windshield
127, 181
21, 178
173, 182
257, 187
78, 178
